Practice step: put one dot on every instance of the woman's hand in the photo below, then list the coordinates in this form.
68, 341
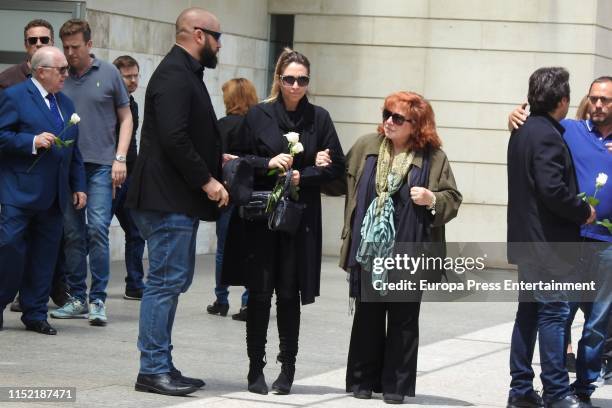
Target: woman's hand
295, 178
227, 157
517, 117
283, 162
421, 196
323, 158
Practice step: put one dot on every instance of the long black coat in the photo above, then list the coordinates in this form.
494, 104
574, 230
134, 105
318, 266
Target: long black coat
248, 254
180, 145
542, 189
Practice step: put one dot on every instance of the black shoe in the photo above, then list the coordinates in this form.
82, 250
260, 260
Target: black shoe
283, 383
362, 394
571, 401
393, 398
218, 308
133, 294
256, 379
241, 315
162, 384
40, 326
177, 376
584, 400
531, 400
59, 294
570, 362
1, 319
16, 305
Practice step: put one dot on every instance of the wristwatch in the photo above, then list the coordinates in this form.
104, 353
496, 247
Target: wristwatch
432, 207
120, 158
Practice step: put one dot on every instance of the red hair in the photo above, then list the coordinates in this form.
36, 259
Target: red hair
414, 106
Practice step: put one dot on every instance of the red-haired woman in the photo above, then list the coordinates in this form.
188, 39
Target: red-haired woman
400, 189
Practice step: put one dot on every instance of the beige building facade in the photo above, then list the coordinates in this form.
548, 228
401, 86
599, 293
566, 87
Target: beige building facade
470, 58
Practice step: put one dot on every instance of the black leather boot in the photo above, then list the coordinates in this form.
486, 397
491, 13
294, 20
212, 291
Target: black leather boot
258, 316
288, 321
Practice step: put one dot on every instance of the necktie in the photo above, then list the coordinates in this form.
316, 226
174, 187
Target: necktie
59, 123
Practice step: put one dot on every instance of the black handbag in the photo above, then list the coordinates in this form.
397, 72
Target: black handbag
287, 214
255, 208
237, 176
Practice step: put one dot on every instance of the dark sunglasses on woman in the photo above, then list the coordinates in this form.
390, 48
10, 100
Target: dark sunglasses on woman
289, 80
396, 118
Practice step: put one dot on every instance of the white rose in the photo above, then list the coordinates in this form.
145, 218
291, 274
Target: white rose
601, 180
74, 119
292, 137
297, 148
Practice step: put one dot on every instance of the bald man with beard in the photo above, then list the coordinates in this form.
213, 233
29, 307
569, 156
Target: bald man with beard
174, 186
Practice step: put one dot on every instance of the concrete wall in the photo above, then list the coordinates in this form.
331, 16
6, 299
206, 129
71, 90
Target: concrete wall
145, 30
470, 58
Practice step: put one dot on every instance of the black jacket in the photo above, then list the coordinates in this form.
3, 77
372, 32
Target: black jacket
249, 252
542, 191
229, 126
180, 146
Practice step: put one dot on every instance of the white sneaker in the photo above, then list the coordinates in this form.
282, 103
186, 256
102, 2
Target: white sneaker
97, 313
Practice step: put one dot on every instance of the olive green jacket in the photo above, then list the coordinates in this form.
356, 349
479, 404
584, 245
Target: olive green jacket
441, 183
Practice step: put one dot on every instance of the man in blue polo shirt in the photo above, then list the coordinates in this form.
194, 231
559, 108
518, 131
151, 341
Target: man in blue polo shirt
102, 101
590, 143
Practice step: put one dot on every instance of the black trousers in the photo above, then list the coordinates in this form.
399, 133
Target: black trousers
384, 347
283, 280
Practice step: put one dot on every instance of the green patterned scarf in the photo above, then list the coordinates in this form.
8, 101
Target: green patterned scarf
378, 227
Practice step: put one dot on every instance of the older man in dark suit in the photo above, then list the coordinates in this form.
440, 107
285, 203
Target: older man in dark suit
37, 174
543, 207
174, 186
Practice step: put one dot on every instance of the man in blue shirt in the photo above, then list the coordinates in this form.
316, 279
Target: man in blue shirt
590, 143
103, 103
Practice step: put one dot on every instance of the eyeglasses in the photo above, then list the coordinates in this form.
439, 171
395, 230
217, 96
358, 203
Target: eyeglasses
215, 34
603, 99
131, 77
61, 70
396, 118
34, 40
289, 80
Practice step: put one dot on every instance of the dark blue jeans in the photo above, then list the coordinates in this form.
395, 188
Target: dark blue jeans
222, 291
134, 244
171, 240
548, 319
86, 234
592, 343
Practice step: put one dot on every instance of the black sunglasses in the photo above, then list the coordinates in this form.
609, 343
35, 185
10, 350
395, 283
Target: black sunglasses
215, 34
61, 70
34, 40
289, 80
396, 118
603, 99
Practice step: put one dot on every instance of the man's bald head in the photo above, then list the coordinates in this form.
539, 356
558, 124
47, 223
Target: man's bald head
50, 68
198, 32
194, 17
47, 56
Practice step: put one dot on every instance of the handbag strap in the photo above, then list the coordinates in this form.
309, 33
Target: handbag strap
287, 187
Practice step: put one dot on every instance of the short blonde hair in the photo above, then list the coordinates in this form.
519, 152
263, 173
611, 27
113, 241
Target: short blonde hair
239, 95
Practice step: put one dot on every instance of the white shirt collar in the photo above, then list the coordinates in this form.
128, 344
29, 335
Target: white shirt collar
40, 88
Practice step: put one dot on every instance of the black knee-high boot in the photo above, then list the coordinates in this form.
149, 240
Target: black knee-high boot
288, 321
258, 316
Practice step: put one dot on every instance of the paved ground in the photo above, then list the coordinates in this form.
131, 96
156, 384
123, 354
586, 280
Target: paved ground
463, 358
